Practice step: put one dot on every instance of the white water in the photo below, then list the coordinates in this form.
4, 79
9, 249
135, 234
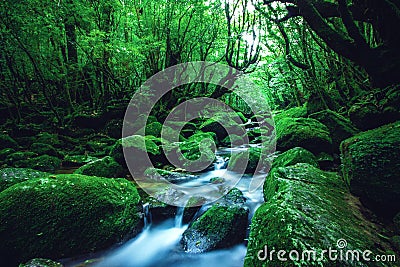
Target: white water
158, 245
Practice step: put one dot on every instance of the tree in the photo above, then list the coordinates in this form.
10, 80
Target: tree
381, 58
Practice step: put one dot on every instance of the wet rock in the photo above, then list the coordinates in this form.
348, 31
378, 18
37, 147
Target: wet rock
65, 216
41, 263
105, 167
12, 176
371, 167
219, 227
303, 132
308, 209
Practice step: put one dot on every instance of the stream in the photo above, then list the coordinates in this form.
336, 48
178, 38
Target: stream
158, 244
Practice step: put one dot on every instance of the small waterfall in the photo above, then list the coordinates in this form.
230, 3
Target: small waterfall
147, 215
219, 163
179, 217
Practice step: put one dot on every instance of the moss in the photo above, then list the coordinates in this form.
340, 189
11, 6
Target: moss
218, 227
217, 180
339, 127
14, 159
44, 149
11, 176
371, 166
48, 138
41, 163
232, 140
77, 160
4, 153
238, 160
41, 263
309, 209
303, 132
105, 167
297, 112
221, 124
396, 221
65, 216
365, 116
294, 156
134, 143
7, 142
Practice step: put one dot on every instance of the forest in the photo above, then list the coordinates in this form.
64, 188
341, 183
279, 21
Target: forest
199, 133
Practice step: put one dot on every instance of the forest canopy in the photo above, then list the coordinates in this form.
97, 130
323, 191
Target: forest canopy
67, 58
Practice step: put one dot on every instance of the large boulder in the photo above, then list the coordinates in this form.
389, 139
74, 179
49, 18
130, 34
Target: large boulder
135, 144
296, 112
44, 149
66, 215
221, 226
339, 127
249, 158
294, 156
371, 167
105, 167
12, 176
222, 123
44, 163
303, 132
309, 210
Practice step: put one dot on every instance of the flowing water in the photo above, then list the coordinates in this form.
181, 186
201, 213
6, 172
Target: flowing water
158, 244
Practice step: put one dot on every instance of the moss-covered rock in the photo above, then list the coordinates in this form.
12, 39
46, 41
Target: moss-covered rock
50, 139
222, 123
77, 160
134, 144
4, 153
7, 142
15, 158
309, 209
339, 127
294, 156
297, 112
303, 132
365, 116
105, 167
371, 167
219, 227
65, 216
44, 149
42, 163
41, 263
254, 154
12, 176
